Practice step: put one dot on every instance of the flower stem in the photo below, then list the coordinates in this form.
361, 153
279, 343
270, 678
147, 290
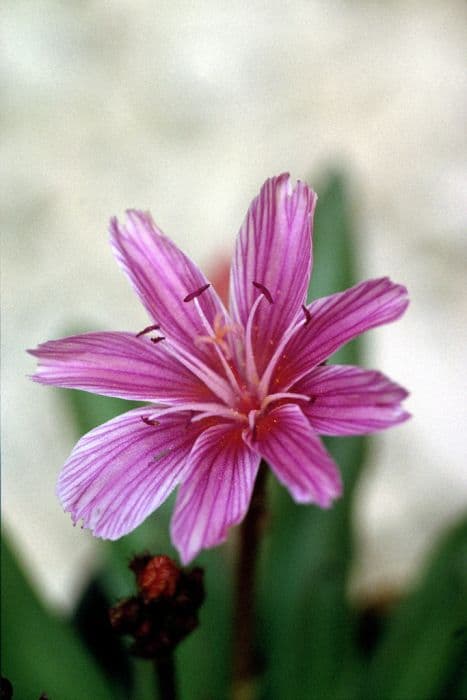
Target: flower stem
244, 613
165, 672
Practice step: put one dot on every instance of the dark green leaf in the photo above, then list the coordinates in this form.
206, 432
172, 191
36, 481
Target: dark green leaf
424, 652
40, 652
334, 254
204, 657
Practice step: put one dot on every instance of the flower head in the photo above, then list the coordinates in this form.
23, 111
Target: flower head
224, 388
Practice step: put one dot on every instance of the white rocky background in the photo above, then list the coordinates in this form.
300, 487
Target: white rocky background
185, 108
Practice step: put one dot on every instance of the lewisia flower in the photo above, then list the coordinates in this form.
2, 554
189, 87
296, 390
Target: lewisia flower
224, 388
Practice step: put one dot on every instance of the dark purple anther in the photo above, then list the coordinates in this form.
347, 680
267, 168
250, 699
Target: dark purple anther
148, 329
265, 291
307, 315
149, 421
193, 295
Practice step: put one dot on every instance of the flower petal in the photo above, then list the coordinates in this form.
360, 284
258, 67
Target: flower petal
286, 440
123, 470
334, 320
163, 277
217, 492
349, 400
117, 364
274, 251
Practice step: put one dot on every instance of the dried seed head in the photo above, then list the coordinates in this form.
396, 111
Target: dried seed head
159, 577
165, 609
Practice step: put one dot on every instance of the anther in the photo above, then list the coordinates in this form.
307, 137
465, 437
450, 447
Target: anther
307, 315
193, 295
148, 329
265, 291
149, 421
157, 340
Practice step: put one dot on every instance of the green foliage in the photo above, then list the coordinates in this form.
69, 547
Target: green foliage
424, 652
41, 652
334, 255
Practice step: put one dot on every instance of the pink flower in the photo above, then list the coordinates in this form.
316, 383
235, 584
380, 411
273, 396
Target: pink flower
225, 389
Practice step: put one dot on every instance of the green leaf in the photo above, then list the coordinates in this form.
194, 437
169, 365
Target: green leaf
424, 651
308, 627
41, 652
334, 267
204, 657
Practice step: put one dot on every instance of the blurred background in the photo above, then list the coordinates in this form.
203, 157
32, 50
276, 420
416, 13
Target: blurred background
185, 108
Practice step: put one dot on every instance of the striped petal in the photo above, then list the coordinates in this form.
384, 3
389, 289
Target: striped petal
216, 494
123, 470
274, 251
333, 321
286, 440
349, 400
117, 364
163, 277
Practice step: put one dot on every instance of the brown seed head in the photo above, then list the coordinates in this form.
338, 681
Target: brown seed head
159, 577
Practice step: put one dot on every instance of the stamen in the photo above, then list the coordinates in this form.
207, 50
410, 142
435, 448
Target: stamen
265, 291
208, 376
221, 329
217, 346
251, 369
202, 410
157, 340
193, 295
307, 315
232, 415
282, 395
200, 339
252, 423
149, 421
267, 374
148, 329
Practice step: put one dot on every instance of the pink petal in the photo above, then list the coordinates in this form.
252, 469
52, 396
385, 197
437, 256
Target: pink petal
274, 250
123, 470
349, 400
216, 494
117, 364
163, 277
286, 440
334, 320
